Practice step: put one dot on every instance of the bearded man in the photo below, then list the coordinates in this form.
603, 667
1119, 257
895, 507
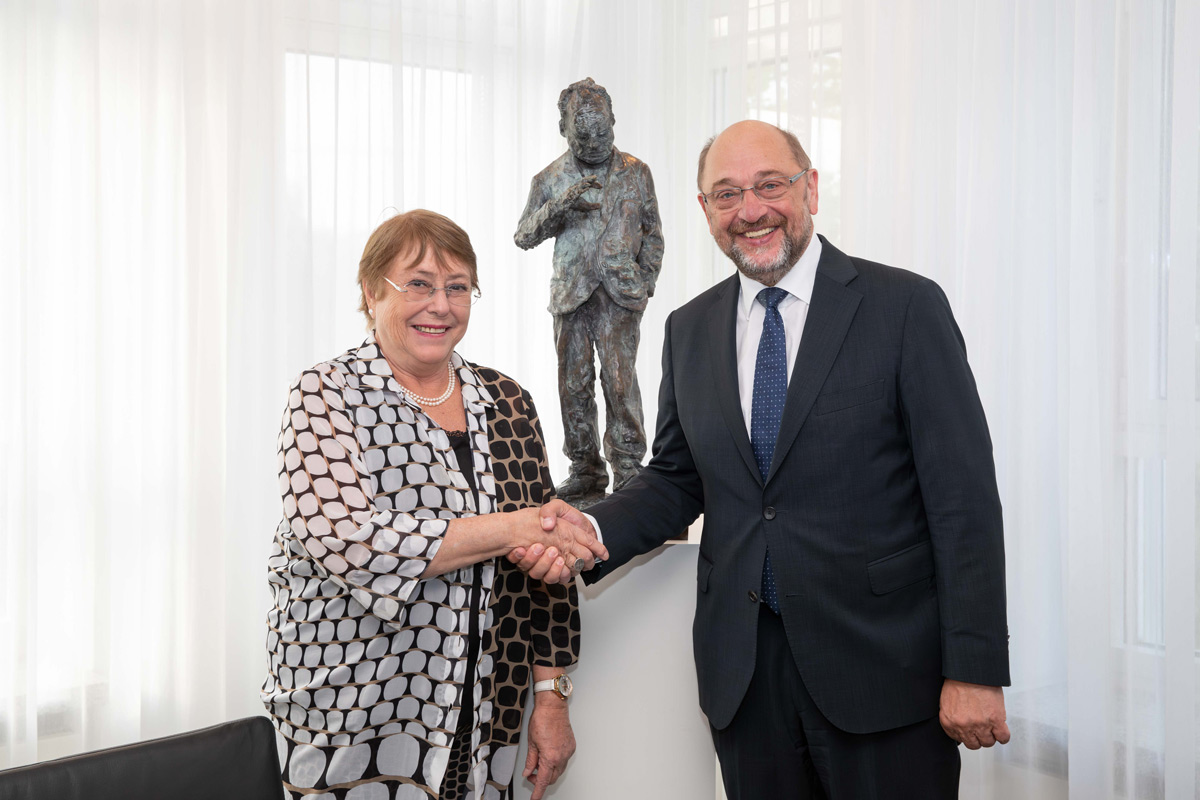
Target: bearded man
819, 410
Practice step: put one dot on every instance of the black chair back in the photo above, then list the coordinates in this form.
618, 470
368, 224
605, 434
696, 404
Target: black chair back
232, 760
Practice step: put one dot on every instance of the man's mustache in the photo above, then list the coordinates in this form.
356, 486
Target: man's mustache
765, 222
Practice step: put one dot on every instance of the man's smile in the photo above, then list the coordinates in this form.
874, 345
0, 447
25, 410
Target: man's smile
760, 233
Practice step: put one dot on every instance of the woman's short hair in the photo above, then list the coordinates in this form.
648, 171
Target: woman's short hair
417, 232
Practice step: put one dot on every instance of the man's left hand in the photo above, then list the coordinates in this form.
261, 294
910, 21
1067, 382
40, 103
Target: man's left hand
973, 714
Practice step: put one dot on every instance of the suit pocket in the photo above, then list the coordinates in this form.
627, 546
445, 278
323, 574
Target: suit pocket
703, 570
859, 395
901, 569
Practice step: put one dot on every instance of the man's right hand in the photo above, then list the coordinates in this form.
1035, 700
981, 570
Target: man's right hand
567, 538
547, 563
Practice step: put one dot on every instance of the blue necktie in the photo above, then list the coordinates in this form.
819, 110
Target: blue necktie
766, 409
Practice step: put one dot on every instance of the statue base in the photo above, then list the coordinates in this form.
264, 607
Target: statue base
584, 501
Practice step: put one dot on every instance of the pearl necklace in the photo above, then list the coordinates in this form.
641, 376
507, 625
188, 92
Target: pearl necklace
433, 402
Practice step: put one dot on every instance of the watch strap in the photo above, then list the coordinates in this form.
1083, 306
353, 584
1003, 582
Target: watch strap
560, 684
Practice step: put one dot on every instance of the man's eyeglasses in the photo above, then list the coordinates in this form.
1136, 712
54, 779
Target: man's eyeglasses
730, 197
417, 290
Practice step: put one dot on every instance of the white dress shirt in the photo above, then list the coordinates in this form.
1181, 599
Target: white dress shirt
798, 283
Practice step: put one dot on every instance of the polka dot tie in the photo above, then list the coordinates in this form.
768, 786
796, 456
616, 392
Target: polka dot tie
766, 409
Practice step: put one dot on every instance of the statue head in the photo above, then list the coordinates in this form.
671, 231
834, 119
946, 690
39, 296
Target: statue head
586, 119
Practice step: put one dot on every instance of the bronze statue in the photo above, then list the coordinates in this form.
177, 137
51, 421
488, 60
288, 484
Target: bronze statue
600, 206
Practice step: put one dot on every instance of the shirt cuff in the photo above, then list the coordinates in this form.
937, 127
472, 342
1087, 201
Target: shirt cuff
595, 526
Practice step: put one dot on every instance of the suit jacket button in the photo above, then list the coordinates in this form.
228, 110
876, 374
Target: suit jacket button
769, 512
753, 596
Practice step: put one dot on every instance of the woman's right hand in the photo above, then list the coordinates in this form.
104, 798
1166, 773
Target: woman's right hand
555, 543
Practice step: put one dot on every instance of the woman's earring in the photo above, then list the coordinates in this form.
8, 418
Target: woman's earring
371, 311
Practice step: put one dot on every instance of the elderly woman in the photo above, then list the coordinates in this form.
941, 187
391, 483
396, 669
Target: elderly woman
400, 645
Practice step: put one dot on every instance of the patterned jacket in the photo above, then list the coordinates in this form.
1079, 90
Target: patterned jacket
368, 660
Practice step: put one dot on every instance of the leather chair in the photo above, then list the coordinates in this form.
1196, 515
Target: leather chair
235, 760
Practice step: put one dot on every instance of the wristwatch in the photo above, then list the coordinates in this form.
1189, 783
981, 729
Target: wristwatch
560, 685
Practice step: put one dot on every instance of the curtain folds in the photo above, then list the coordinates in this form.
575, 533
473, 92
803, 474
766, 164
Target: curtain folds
185, 189
1040, 161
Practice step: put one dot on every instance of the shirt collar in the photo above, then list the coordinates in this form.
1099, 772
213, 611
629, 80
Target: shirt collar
798, 282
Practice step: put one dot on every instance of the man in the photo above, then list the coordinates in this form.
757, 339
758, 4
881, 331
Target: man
819, 410
600, 204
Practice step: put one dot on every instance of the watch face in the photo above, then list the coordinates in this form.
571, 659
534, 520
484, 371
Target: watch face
562, 685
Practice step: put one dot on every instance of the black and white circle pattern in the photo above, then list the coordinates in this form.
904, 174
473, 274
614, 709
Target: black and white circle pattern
367, 660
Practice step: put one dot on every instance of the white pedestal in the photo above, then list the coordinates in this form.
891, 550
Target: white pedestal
637, 722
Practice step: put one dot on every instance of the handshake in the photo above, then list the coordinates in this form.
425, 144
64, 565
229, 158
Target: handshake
554, 543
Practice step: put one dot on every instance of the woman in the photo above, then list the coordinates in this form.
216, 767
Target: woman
400, 645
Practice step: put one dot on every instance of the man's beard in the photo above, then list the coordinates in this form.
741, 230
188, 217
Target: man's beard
771, 273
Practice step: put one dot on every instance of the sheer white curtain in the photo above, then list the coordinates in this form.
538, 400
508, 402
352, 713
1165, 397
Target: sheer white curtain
185, 189
1040, 160
135, 205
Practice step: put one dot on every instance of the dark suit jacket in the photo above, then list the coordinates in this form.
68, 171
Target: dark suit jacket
880, 508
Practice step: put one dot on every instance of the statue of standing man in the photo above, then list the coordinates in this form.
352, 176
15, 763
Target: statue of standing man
600, 206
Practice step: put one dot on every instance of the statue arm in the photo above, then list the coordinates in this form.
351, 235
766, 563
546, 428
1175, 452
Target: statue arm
651, 255
546, 213
538, 222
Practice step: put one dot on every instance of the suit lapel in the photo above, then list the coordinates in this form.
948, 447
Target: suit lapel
829, 317
721, 336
